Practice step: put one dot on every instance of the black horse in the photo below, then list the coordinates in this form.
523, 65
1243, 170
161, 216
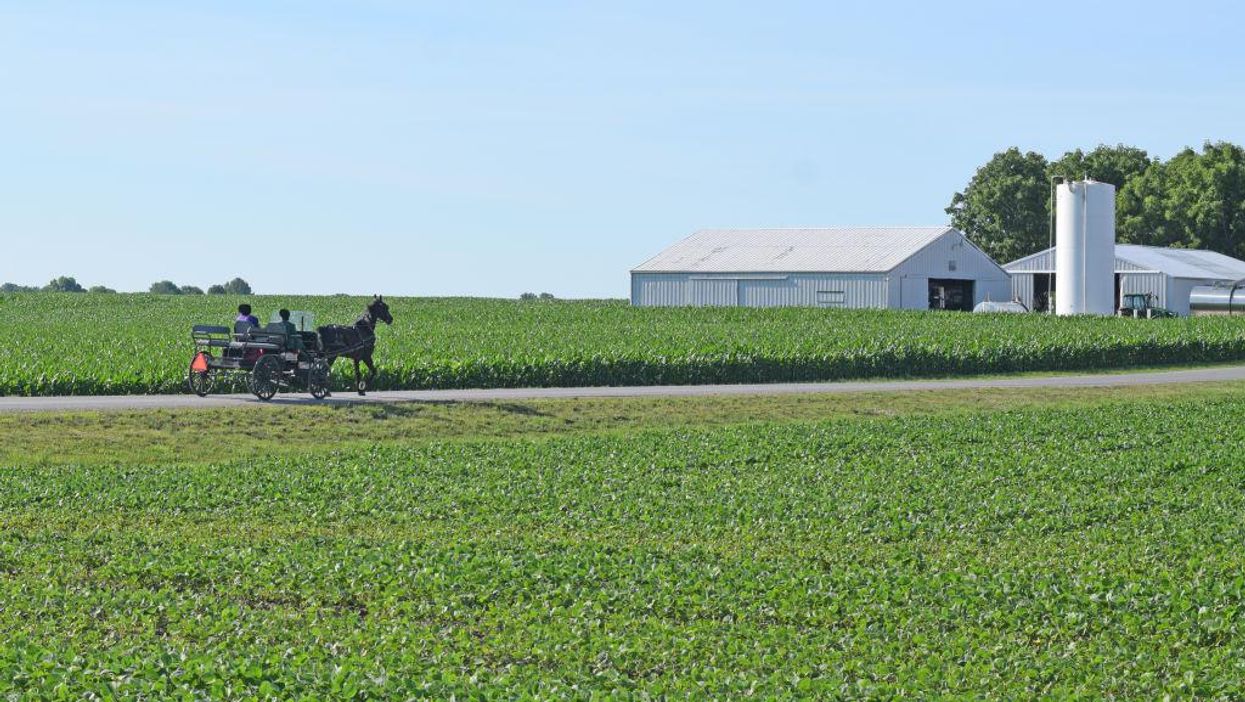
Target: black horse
357, 342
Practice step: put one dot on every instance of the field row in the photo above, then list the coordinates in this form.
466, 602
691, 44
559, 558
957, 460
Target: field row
112, 344
1065, 553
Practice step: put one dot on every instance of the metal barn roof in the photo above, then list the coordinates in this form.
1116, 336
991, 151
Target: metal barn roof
1177, 263
1183, 263
820, 250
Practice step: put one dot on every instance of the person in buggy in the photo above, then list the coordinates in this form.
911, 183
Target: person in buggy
245, 320
293, 341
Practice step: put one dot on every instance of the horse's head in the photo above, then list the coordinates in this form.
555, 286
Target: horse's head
379, 310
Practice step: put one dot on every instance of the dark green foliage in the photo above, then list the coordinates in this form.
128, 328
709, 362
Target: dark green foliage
1037, 554
165, 287
15, 288
191, 290
1195, 200
80, 344
64, 284
217, 290
1116, 165
237, 286
101, 289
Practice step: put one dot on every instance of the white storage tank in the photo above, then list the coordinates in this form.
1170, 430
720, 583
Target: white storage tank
1085, 248
1013, 307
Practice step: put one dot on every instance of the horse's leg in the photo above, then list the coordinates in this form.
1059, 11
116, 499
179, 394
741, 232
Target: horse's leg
358, 378
371, 369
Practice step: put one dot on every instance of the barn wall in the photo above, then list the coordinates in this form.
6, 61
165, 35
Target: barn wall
815, 290
1154, 283
658, 289
761, 290
954, 257
1022, 288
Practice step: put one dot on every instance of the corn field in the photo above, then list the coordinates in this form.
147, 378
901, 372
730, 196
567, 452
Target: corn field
113, 344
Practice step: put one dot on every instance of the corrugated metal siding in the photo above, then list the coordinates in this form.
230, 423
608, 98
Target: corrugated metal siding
808, 290
796, 290
658, 290
712, 292
1022, 288
1041, 262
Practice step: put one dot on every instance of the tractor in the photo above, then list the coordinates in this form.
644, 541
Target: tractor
1141, 306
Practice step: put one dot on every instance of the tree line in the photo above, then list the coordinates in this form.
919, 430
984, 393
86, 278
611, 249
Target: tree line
68, 284
1195, 199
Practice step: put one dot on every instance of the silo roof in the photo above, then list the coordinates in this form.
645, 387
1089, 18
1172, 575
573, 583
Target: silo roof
807, 250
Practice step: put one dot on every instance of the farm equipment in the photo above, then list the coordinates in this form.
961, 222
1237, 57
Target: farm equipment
1141, 306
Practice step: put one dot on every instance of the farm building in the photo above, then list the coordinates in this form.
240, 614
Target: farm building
848, 267
1168, 274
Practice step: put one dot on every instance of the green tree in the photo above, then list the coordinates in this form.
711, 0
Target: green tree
64, 284
100, 289
217, 290
191, 290
1140, 210
1003, 209
15, 288
1194, 200
238, 286
1116, 165
165, 287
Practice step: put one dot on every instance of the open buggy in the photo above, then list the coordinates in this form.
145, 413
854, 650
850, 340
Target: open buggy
298, 355
269, 357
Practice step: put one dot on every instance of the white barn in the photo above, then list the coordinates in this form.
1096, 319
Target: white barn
1168, 274
846, 267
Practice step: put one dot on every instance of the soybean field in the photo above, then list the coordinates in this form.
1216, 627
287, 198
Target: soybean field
1063, 552
139, 343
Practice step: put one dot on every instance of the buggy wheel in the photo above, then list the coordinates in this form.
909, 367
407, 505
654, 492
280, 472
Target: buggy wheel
266, 376
318, 380
200, 379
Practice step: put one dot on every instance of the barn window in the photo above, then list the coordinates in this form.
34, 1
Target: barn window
951, 265
831, 297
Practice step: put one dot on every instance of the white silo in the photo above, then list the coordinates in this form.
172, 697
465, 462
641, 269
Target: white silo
1085, 248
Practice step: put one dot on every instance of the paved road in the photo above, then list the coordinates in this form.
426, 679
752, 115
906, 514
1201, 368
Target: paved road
133, 402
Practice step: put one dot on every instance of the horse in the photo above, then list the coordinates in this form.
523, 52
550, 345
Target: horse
358, 341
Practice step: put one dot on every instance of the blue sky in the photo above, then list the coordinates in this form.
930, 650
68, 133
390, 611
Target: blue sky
491, 148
